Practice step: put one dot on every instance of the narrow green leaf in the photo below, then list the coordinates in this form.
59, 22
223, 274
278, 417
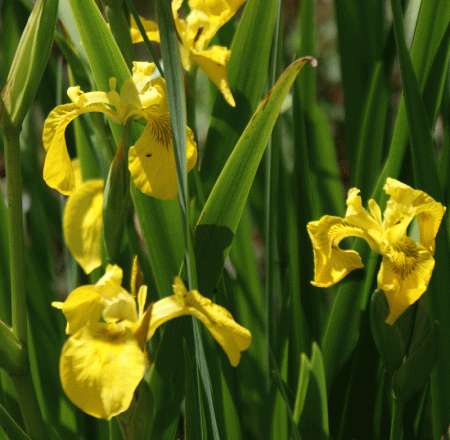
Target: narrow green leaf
13, 354
311, 409
192, 416
11, 428
220, 217
360, 45
370, 139
246, 73
103, 53
120, 29
178, 120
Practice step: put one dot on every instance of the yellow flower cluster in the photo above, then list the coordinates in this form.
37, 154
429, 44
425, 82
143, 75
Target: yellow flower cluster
406, 267
103, 361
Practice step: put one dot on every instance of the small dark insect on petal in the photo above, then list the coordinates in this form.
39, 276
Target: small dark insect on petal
199, 32
148, 155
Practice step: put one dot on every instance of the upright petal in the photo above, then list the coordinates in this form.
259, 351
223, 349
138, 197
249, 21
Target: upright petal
100, 367
110, 284
358, 216
82, 224
404, 275
82, 307
429, 214
214, 62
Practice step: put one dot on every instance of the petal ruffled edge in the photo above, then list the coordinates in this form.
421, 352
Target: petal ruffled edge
332, 263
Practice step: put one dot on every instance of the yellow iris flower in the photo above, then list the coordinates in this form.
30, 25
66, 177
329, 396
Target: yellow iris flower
195, 33
82, 220
151, 159
103, 361
406, 267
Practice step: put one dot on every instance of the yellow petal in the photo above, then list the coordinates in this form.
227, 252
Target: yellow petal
406, 202
151, 29
58, 172
214, 62
83, 306
231, 336
100, 368
82, 223
76, 167
152, 158
429, 214
120, 308
217, 11
110, 284
137, 277
331, 263
404, 275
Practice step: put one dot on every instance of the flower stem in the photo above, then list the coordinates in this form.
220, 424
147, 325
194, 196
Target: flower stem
15, 223
397, 419
23, 383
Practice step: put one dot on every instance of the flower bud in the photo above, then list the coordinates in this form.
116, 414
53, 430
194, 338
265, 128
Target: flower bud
30, 60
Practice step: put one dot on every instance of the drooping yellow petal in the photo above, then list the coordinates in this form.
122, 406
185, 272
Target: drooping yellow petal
404, 275
152, 159
151, 29
76, 167
332, 263
100, 367
58, 173
231, 336
214, 62
82, 223
83, 306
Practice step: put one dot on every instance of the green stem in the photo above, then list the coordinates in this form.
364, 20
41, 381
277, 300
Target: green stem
16, 240
23, 383
126, 148
397, 419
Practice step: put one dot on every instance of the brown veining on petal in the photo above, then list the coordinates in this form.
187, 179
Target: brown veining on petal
404, 257
161, 130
